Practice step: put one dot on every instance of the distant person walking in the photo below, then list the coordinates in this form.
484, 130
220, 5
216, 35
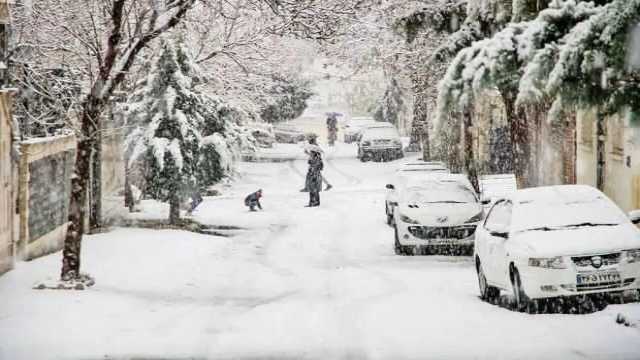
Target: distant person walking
332, 129
253, 200
314, 176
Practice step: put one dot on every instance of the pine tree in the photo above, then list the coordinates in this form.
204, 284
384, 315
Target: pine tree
168, 140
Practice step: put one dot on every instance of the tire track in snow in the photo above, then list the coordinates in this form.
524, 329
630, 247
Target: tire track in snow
351, 178
297, 171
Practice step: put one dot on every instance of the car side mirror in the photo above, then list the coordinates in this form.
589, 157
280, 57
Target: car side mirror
390, 187
485, 201
500, 234
634, 216
500, 231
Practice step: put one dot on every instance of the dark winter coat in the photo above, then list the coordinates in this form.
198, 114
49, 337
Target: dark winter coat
253, 198
314, 175
332, 123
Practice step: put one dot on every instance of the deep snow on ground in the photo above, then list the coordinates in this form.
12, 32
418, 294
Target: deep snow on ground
319, 283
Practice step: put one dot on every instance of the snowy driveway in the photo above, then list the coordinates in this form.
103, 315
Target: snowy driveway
318, 283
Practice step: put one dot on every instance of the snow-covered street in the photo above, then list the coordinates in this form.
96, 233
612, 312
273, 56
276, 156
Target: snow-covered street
312, 283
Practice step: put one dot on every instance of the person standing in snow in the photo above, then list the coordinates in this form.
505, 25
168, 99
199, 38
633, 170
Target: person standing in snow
313, 143
252, 200
314, 176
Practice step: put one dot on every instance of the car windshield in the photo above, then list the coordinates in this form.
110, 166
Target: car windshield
532, 215
434, 193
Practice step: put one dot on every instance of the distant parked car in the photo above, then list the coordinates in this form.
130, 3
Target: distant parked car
351, 129
436, 215
264, 138
285, 133
380, 143
422, 166
493, 187
547, 242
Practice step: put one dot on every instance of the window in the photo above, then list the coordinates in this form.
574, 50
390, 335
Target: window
499, 217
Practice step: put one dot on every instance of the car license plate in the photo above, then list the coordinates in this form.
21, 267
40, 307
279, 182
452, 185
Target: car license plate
598, 277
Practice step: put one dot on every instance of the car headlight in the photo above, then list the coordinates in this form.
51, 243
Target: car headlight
475, 218
408, 220
366, 143
397, 142
549, 263
633, 255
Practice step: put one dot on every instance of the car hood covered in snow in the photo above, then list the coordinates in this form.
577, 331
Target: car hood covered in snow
585, 240
441, 214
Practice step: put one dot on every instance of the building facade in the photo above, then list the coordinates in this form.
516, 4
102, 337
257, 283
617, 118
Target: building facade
618, 141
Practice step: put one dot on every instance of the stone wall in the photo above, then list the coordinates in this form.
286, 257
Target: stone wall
46, 165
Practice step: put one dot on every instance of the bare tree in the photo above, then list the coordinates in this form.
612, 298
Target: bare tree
101, 40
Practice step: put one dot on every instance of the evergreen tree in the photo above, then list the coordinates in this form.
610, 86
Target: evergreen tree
168, 139
287, 99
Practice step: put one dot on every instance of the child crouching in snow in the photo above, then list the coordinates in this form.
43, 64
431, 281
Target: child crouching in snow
252, 200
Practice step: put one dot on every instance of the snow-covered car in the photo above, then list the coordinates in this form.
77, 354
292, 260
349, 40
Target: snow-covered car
264, 138
437, 215
380, 143
404, 176
351, 129
285, 133
422, 166
554, 241
496, 186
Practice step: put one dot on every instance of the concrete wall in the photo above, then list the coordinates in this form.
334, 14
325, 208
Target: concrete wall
622, 157
8, 181
46, 165
112, 161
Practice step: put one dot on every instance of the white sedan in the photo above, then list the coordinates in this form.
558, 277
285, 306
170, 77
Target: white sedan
556, 241
437, 216
404, 176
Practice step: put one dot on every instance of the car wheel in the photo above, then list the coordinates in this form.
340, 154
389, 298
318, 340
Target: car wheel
488, 293
520, 298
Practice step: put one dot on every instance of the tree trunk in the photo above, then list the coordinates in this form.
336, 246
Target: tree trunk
174, 209
129, 202
426, 146
469, 154
416, 138
95, 200
569, 149
601, 133
79, 186
520, 142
